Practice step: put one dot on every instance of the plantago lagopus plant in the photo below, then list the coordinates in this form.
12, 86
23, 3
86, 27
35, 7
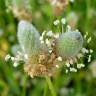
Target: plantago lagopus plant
44, 54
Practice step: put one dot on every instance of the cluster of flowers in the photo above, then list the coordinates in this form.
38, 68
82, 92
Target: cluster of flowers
54, 50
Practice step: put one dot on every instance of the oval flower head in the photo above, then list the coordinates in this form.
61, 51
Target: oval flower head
69, 44
20, 8
28, 37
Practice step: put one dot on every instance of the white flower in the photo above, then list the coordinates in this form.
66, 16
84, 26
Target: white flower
73, 69
50, 51
56, 22
72, 1
89, 39
57, 66
84, 50
66, 70
59, 58
41, 38
67, 64
44, 32
49, 33
80, 66
63, 21
15, 64
91, 51
48, 43
25, 56
89, 58
12, 58
7, 57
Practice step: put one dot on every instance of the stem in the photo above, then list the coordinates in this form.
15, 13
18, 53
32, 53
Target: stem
87, 27
24, 87
45, 89
50, 86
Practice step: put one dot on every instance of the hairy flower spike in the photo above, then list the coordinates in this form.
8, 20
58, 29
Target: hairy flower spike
21, 9
58, 6
69, 44
28, 38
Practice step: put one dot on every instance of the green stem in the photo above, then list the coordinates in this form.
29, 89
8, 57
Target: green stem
50, 86
45, 89
87, 27
24, 87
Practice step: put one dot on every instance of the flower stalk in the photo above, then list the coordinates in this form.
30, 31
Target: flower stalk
50, 85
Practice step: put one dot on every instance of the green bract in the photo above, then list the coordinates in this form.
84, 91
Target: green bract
69, 44
28, 38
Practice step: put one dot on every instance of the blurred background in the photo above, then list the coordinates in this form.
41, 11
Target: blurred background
80, 14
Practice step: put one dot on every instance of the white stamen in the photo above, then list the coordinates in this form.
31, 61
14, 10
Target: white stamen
71, 61
77, 30
85, 36
56, 22
48, 43
7, 57
50, 51
86, 33
15, 64
89, 39
80, 66
72, 1
91, 51
44, 32
89, 58
57, 66
41, 38
73, 69
59, 58
67, 64
84, 50
63, 21
49, 33
12, 58
66, 70
25, 56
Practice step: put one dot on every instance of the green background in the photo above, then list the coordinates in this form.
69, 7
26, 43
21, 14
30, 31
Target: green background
14, 82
